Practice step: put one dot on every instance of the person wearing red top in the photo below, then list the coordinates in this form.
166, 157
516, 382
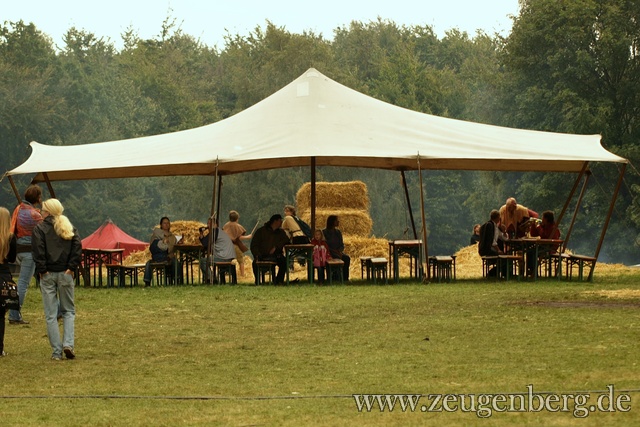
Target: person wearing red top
24, 219
321, 254
547, 229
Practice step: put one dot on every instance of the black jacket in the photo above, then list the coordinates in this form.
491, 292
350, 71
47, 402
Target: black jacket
485, 244
266, 238
5, 268
51, 252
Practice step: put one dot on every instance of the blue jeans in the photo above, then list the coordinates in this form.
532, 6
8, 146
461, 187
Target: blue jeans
57, 293
27, 268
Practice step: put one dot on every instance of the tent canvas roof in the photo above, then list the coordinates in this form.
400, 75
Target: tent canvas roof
314, 116
110, 236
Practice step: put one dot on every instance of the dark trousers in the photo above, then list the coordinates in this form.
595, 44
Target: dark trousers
281, 263
345, 269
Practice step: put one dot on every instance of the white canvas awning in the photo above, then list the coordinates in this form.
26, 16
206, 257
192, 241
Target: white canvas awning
316, 117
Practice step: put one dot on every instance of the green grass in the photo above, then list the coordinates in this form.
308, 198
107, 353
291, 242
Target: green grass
294, 355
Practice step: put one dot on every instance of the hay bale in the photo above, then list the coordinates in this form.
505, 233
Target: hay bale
352, 222
189, 230
334, 195
356, 247
468, 263
137, 257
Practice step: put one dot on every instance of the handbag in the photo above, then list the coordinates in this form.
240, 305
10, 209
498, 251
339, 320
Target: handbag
9, 298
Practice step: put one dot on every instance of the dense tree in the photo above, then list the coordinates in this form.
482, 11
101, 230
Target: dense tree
574, 67
29, 108
566, 66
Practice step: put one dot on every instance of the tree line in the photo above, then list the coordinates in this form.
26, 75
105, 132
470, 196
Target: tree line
565, 67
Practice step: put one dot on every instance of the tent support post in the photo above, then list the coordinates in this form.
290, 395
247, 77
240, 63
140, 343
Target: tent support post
572, 192
46, 178
214, 192
218, 199
406, 195
606, 222
313, 195
215, 200
15, 190
575, 212
425, 251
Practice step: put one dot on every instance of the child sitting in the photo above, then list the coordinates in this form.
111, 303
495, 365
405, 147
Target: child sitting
320, 253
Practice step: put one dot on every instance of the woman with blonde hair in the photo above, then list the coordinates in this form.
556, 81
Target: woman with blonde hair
7, 255
57, 251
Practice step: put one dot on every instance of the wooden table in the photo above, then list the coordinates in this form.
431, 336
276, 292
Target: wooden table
413, 248
93, 259
307, 250
531, 245
186, 255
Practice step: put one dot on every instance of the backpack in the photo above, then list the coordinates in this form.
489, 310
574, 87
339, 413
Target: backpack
304, 227
486, 239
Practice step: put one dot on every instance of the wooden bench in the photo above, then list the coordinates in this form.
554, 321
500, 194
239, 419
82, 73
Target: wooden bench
556, 261
122, 272
580, 261
379, 268
223, 268
365, 265
264, 268
336, 265
113, 272
511, 265
159, 271
487, 262
443, 266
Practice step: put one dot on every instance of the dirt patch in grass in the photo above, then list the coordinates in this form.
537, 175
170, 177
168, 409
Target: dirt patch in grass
616, 294
580, 304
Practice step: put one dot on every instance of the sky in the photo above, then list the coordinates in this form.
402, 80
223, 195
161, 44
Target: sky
211, 20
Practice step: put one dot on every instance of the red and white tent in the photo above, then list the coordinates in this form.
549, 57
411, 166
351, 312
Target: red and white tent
110, 236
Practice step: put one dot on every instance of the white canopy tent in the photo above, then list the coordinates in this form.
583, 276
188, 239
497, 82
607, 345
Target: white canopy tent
315, 121
316, 117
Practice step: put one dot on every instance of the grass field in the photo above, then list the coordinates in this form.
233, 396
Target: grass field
270, 356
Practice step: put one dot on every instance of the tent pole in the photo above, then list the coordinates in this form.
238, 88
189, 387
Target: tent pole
46, 178
425, 251
606, 222
575, 212
572, 192
215, 198
15, 190
406, 195
219, 195
313, 195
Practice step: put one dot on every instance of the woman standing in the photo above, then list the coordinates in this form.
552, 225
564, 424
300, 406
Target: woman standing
57, 251
7, 255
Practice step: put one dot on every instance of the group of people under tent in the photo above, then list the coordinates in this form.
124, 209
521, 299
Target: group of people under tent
267, 244
515, 221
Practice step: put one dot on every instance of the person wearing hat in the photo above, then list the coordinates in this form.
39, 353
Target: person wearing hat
268, 245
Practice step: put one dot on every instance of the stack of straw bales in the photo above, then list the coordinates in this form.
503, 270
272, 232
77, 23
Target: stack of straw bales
348, 200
